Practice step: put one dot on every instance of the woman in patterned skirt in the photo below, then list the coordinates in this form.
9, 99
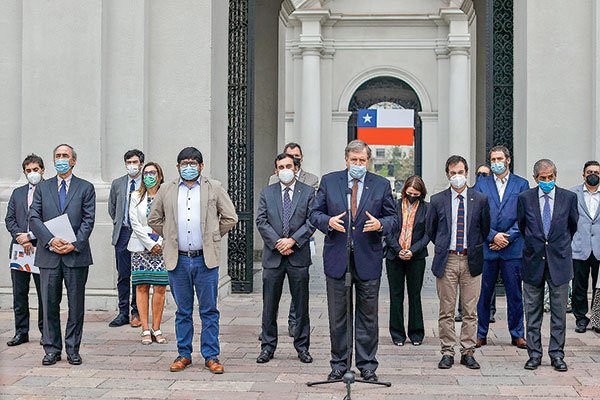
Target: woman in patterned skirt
595, 318
147, 266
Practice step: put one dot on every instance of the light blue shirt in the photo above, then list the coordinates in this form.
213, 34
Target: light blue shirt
189, 223
137, 181
361, 183
543, 201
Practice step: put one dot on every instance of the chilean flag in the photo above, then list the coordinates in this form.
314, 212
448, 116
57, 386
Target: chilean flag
387, 127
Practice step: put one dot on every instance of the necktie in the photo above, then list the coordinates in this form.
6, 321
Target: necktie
354, 201
460, 225
30, 196
546, 215
131, 189
287, 211
62, 195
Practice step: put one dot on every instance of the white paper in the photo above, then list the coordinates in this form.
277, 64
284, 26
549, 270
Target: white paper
21, 261
60, 227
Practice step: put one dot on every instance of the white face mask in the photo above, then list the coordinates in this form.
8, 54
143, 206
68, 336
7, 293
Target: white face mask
132, 169
34, 178
285, 176
458, 181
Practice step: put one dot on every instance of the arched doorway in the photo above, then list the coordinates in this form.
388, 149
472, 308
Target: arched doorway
394, 162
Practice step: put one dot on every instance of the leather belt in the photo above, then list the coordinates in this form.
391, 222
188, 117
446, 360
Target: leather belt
458, 253
191, 253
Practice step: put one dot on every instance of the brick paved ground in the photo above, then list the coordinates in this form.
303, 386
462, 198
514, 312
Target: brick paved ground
116, 365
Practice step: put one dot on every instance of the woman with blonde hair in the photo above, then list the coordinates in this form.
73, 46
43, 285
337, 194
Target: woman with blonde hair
147, 266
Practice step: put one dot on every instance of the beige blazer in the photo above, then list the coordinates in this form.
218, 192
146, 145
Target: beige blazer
139, 225
218, 217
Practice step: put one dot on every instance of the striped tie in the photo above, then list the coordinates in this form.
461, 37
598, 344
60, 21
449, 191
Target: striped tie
460, 225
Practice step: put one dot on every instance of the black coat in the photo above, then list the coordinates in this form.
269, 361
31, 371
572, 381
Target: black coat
419, 240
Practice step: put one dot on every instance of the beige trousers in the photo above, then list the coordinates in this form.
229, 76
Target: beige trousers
457, 275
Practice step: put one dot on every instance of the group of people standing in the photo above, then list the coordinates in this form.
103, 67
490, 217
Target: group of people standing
170, 234
164, 234
534, 238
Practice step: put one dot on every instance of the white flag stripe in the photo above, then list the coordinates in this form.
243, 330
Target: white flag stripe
396, 118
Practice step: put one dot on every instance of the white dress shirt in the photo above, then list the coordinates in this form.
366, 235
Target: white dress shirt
188, 217
137, 182
455, 202
291, 193
592, 199
67, 181
543, 201
501, 184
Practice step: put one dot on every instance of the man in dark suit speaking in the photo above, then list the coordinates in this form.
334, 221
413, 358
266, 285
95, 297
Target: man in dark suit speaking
372, 215
547, 216
60, 260
282, 220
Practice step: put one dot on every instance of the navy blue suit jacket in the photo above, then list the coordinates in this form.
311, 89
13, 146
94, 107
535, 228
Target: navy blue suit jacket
439, 229
17, 214
503, 215
80, 206
554, 250
332, 200
269, 221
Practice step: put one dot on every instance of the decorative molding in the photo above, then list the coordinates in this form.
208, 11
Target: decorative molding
429, 116
340, 116
385, 70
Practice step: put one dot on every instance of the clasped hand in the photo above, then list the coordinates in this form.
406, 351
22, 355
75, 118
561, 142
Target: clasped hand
61, 246
23, 240
284, 246
500, 241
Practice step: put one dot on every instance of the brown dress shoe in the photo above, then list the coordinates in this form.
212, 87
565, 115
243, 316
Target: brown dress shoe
481, 342
215, 366
519, 342
180, 364
135, 321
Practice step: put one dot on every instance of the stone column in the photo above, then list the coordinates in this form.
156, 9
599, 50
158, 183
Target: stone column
311, 44
459, 122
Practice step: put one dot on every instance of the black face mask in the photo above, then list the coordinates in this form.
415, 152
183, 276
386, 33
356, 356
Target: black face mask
592, 179
412, 199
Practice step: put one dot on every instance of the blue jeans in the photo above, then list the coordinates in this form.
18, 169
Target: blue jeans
189, 274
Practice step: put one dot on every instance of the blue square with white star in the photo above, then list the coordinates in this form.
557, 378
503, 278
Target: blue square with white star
367, 118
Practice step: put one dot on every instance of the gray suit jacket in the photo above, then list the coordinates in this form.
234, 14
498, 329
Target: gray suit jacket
80, 206
588, 226
304, 177
269, 221
116, 205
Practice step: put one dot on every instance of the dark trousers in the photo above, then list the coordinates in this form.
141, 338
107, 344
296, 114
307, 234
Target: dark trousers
511, 276
533, 297
366, 326
402, 273
272, 287
51, 285
123, 257
581, 277
20, 284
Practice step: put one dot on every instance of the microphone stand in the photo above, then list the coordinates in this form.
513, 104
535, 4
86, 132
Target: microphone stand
349, 377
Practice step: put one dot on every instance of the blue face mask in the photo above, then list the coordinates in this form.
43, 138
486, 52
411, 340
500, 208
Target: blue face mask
357, 171
189, 173
62, 165
498, 168
546, 186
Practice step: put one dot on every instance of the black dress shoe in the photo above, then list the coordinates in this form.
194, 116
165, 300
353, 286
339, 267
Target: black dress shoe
51, 358
581, 328
533, 363
399, 342
119, 320
369, 375
335, 375
264, 357
596, 329
305, 357
446, 362
291, 330
18, 339
74, 359
469, 361
559, 364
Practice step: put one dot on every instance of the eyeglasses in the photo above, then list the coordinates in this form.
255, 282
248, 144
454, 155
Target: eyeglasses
150, 173
191, 164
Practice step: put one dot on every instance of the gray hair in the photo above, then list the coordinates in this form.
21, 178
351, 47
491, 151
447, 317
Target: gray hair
73, 152
356, 146
543, 163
